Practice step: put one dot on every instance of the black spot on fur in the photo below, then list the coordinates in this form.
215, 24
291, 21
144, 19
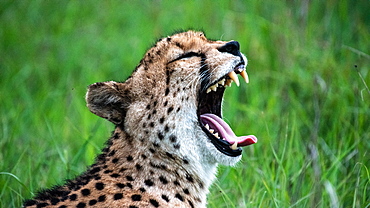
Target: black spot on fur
154, 202
165, 103
122, 170
30, 203
115, 136
101, 198
73, 197
42, 205
93, 202
166, 128
81, 205
160, 135
161, 120
163, 179
129, 158
112, 153
151, 124
136, 197
115, 160
99, 186
95, 170
108, 171
85, 192
173, 138
201, 185
120, 185
118, 196
142, 189
129, 185
54, 201
143, 156
170, 155
169, 110
149, 182
152, 150
176, 183
138, 167
129, 178
155, 144
186, 191
185, 161
115, 175
109, 142
190, 178
63, 206
164, 197
132, 206
64, 198
179, 197
157, 166
191, 204
167, 91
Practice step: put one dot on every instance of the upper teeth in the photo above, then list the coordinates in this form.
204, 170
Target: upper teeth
227, 82
234, 77
245, 76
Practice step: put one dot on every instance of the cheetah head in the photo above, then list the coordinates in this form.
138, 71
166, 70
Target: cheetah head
173, 99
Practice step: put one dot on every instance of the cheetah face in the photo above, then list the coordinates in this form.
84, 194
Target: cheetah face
176, 92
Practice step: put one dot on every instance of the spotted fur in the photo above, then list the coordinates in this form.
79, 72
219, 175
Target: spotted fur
158, 154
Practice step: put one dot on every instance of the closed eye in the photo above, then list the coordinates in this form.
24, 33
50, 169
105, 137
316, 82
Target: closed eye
186, 55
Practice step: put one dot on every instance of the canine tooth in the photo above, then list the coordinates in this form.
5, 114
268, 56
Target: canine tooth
216, 135
245, 76
234, 77
207, 127
208, 90
211, 130
222, 82
213, 87
234, 146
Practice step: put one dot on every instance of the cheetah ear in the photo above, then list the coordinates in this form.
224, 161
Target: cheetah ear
108, 100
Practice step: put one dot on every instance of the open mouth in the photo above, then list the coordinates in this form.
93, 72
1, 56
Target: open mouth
210, 118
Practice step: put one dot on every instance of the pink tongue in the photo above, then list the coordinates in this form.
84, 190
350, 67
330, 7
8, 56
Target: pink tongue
224, 130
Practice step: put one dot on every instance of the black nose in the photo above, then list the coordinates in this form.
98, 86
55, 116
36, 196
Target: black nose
232, 47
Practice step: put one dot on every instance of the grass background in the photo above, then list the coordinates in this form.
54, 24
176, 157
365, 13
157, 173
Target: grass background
307, 102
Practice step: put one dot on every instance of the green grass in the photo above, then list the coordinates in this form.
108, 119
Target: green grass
308, 100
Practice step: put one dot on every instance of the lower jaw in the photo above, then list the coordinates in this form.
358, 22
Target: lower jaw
222, 146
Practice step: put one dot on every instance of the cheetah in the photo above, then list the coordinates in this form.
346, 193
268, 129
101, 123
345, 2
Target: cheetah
169, 134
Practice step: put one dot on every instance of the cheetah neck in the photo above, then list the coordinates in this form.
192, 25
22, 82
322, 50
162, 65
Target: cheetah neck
140, 164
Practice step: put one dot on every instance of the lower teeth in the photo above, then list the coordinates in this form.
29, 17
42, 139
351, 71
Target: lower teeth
234, 146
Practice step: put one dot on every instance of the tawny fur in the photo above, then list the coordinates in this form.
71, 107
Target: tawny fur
158, 155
